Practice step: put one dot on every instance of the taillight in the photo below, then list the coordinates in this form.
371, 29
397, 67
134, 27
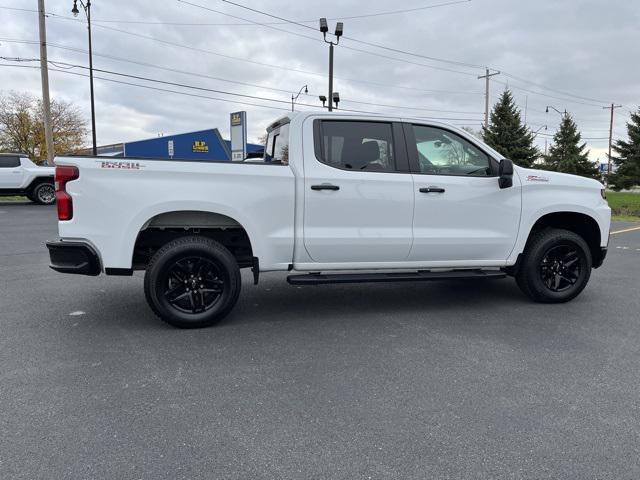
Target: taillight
65, 174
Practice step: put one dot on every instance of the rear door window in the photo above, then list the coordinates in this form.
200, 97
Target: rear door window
277, 149
357, 145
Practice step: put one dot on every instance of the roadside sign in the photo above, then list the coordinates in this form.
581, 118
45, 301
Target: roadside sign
238, 136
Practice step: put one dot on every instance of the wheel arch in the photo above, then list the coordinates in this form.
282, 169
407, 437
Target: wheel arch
165, 226
37, 181
580, 223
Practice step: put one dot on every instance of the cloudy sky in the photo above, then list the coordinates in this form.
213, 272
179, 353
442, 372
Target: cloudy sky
578, 55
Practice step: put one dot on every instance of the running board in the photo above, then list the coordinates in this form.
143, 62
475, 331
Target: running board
422, 275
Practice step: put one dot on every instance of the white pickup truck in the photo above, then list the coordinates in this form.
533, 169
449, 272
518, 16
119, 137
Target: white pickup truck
336, 198
20, 176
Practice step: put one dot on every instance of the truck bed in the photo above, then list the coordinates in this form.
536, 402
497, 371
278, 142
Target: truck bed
115, 199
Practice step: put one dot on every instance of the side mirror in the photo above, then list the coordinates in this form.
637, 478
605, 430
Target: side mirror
506, 173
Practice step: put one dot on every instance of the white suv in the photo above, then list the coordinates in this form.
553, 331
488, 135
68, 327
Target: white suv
20, 176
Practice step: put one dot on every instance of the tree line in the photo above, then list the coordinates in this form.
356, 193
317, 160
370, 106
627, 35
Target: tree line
508, 134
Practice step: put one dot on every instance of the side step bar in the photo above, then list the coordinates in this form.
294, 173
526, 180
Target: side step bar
422, 275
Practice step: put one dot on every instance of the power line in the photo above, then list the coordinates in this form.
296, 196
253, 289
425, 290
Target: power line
194, 87
151, 88
293, 22
347, 47
302, 24
55, 16
545, 94
396, 12
316, 39
405, 107
552, 89
237, 102
352, 17
281, 67
581, 138
453, 62
151, 65
245, 83
19, 9
70, 66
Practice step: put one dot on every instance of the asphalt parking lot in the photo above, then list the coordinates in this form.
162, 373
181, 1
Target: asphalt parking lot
425, 380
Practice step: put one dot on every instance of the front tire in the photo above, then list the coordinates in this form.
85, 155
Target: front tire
556, 266
43, 193
192, 282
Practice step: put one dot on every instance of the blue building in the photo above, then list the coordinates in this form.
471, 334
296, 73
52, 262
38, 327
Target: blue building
205, 145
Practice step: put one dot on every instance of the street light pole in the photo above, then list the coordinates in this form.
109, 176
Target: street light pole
330, 76
554, 108
294, 98
535, 134
324, 28
87, 11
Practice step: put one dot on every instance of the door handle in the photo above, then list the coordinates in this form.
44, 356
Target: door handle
432, 190
325, 186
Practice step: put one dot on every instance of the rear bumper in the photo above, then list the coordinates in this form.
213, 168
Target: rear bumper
73, 257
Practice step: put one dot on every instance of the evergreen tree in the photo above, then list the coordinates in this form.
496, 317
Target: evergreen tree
567, 155
627, 157
508, 135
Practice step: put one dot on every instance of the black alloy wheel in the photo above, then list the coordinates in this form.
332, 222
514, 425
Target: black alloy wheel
561, 267
193, 285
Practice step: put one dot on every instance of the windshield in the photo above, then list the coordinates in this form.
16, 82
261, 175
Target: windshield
277, 149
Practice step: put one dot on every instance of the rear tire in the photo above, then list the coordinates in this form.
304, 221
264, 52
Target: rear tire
556, 266
192, 282
43, 193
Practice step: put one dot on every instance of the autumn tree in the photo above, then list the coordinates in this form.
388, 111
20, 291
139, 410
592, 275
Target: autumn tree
22, 126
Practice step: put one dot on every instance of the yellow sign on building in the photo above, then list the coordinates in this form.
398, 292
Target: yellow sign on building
200, 146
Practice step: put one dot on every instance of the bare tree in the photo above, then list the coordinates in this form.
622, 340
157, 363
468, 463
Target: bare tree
22, 126
475, 133
262, 139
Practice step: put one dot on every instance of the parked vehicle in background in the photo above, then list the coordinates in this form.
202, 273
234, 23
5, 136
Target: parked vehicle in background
20, 176
337, 198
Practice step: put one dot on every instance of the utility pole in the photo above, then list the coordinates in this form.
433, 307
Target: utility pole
612, 107
44, 74
487, 76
